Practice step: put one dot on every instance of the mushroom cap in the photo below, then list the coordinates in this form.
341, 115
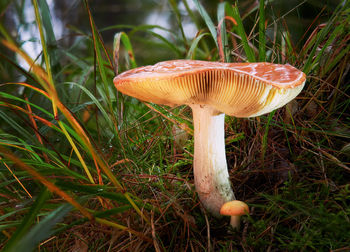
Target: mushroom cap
237, 89
234, 208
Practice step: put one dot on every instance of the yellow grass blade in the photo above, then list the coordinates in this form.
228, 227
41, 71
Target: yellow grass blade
14, 175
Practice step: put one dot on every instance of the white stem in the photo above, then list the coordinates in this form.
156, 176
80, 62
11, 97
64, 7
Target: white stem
211, 177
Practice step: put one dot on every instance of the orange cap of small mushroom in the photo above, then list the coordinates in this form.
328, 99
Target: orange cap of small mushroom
234, 208
237, 89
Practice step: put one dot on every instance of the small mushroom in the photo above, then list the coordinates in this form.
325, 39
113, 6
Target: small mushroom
213, 89
235, 209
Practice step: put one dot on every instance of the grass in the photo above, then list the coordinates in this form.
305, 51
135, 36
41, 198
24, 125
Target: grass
84, 167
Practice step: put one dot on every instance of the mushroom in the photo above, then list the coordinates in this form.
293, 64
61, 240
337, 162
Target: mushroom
235, 209
213, 89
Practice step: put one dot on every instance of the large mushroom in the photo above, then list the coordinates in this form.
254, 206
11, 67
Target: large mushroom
213, 89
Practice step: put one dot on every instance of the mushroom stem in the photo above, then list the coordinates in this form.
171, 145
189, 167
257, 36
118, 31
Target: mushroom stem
211, 177
235, 221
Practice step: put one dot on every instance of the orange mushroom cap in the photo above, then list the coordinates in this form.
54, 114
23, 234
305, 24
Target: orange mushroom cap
237, 89
234, 208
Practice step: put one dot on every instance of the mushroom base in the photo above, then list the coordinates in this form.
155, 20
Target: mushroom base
210, 167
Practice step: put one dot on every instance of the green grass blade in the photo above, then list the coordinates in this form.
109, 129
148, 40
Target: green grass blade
27, 222
262, 32
323, 34
207, 20
100, 61
4, 33
147, 29
16, 98
122, 36
190, 13
47, 169
338, 30
234, 12
106, 81
175, 8
100, 214
41, 231
194, 46
94, 100
265, 136
9, 225
195, 20
16, 66
336, 60
184, 124
224, 41
4, 216
39, 22
290, 50
49, 34
34, 156
93, 190
8, 118
169, 44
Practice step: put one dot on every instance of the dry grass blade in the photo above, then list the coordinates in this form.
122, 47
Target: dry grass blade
219, 38
44, 181
14, 175
53, 188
